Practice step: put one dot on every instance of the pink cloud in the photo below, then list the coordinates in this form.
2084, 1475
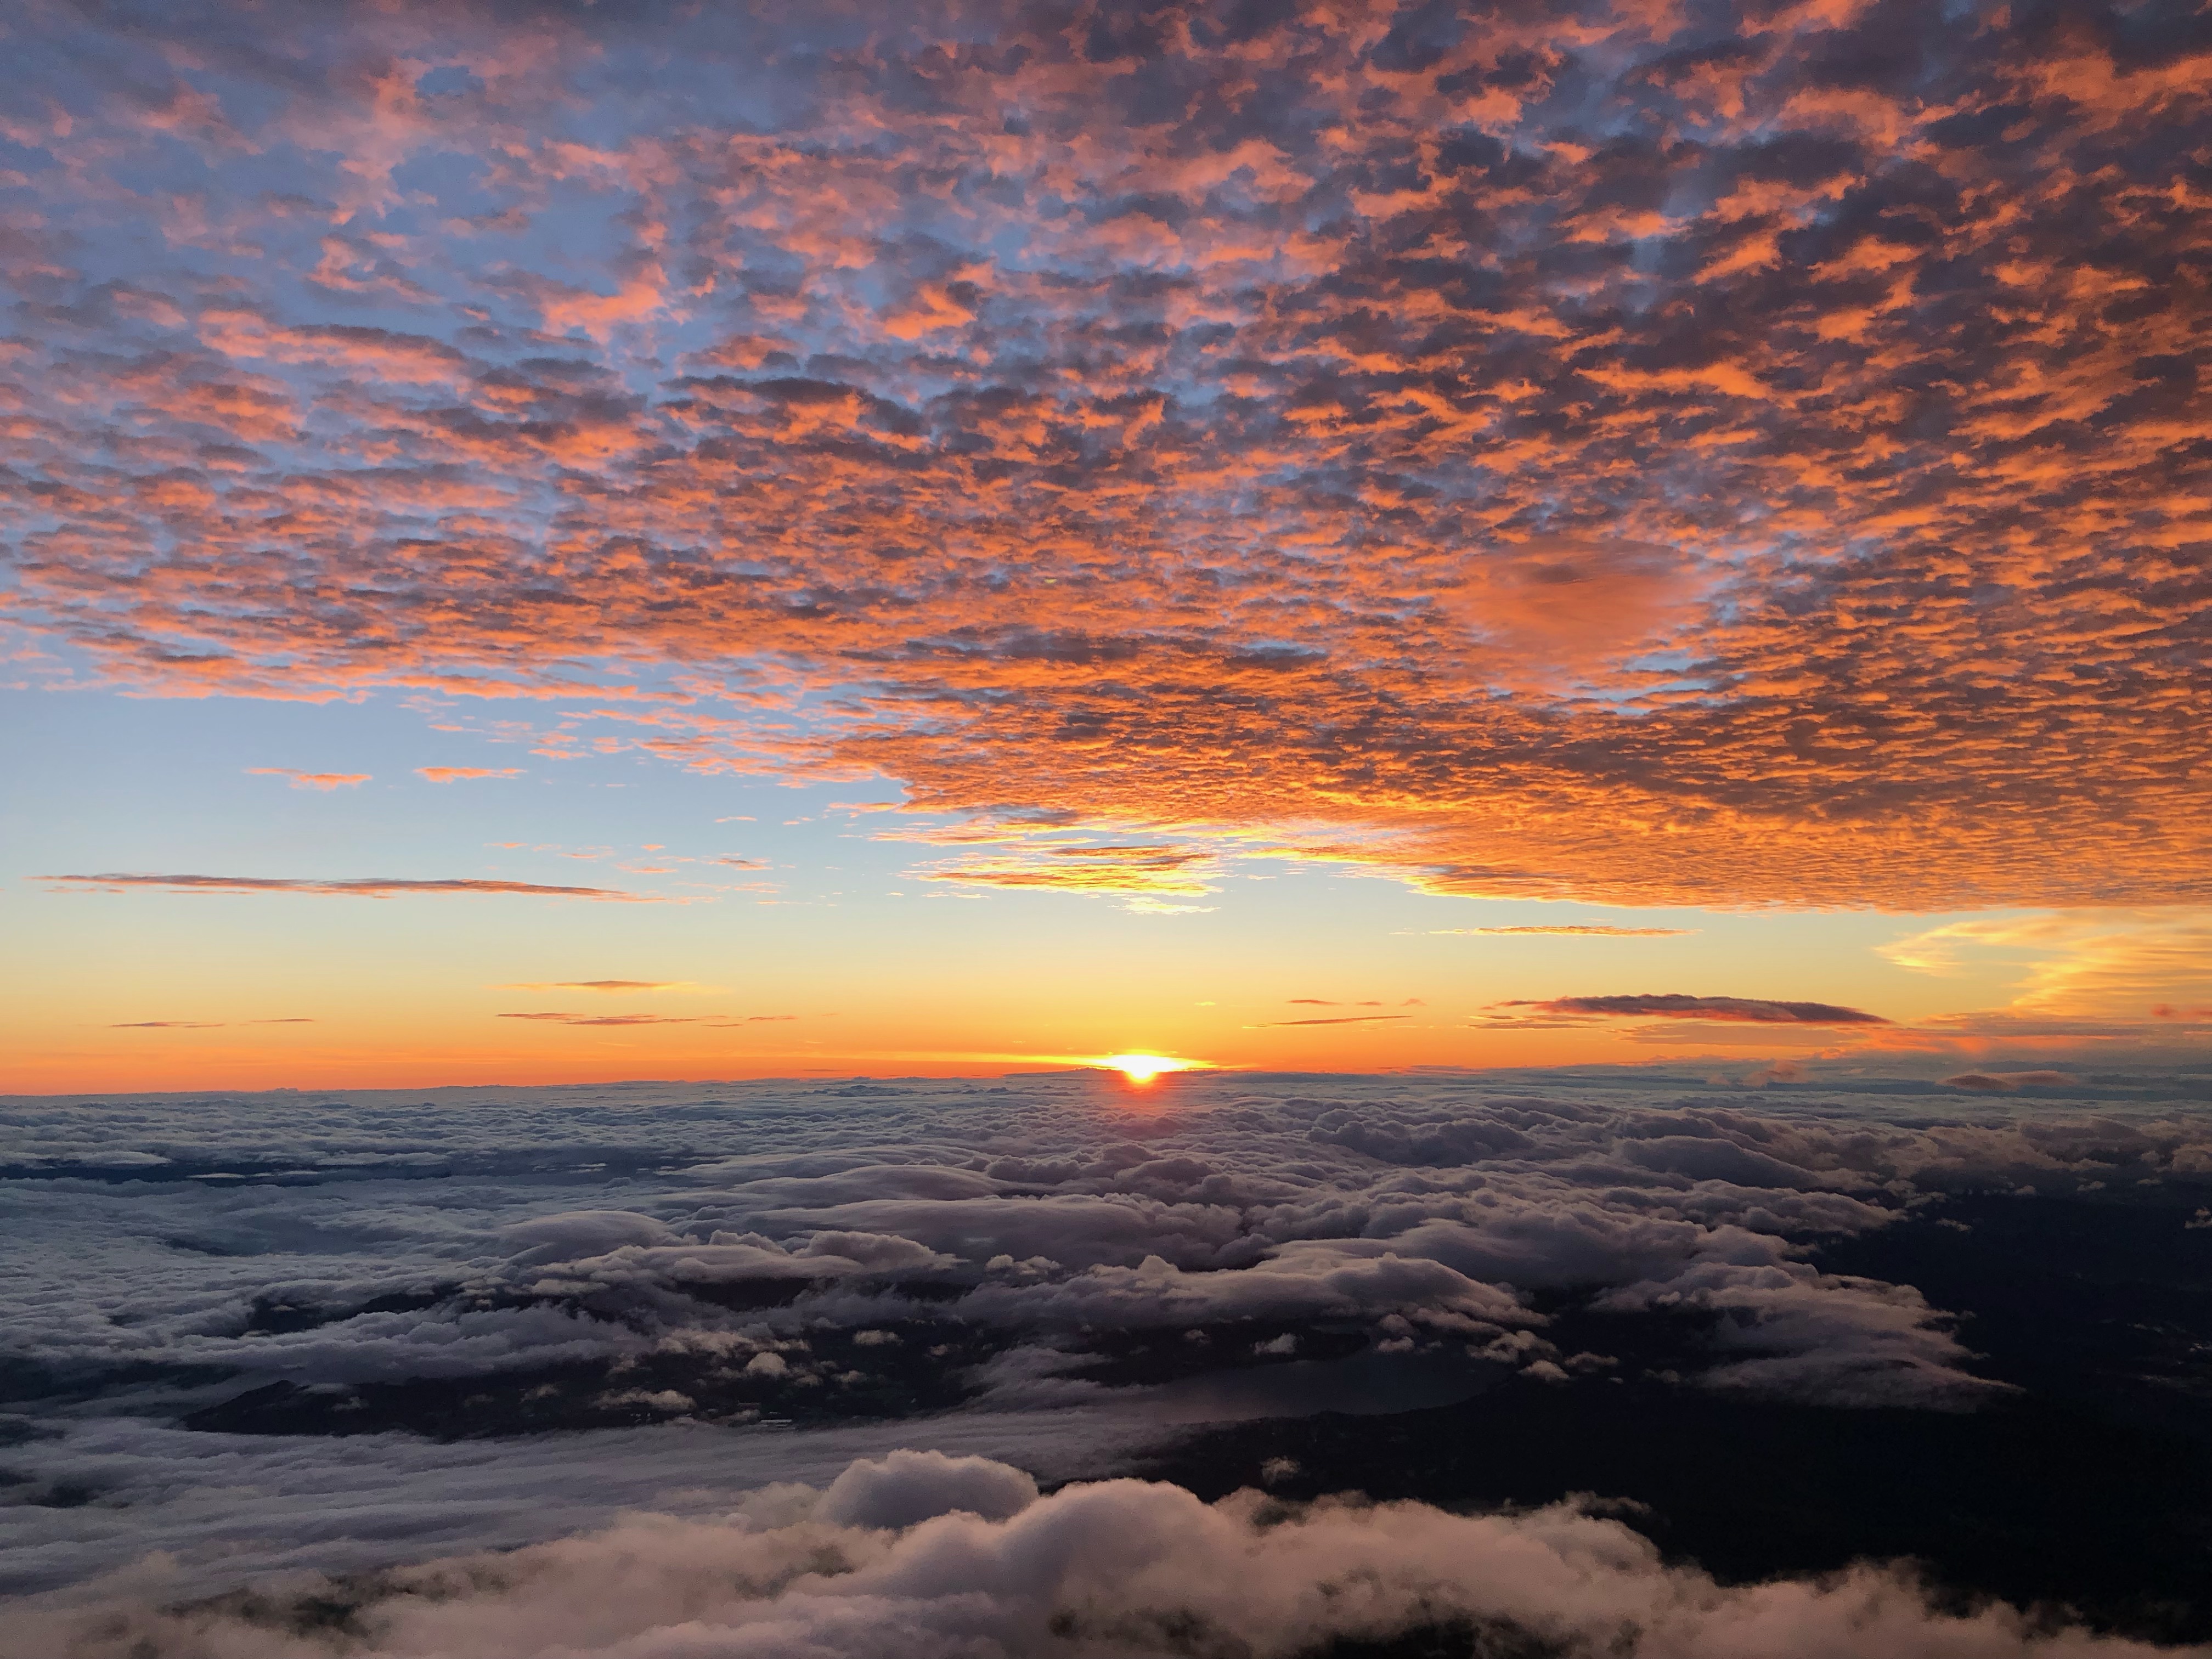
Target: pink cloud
324, 780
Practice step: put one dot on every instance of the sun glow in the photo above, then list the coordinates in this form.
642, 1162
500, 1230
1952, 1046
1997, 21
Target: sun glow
1141, 1069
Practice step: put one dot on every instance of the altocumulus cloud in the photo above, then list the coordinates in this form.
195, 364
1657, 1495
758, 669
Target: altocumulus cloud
1112, 400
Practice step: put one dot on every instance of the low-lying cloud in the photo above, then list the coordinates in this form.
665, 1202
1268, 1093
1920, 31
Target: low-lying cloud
933, 1557
1043, 1261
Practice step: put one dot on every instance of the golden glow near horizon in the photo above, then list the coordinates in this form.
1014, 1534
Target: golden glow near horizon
1142, 1069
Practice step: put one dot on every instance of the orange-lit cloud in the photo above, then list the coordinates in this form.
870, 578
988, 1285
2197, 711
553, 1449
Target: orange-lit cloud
1628, 452
358, 887
2095, 963
325, 781
459, 773
1143, 875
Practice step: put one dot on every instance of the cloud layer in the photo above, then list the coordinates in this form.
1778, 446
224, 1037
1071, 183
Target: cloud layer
280, 1240
265, 1335
1663, 454
947, 1558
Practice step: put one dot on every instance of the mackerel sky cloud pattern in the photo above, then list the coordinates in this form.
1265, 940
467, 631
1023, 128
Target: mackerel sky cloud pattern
1657, 454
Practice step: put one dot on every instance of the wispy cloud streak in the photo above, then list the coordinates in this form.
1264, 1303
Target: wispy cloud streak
356, 887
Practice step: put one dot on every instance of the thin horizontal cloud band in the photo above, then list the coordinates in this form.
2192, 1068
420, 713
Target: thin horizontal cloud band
1754, 1011
1567, 932
1333, 1019
712, 1021
357, 887
1660, 456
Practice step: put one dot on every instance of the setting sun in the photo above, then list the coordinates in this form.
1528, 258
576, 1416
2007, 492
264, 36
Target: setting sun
1144, 1068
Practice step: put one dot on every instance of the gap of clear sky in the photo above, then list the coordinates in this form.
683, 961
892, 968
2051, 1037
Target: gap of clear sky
996, 536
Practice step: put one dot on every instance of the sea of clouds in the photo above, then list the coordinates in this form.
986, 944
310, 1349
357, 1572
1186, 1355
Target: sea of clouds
774, 1367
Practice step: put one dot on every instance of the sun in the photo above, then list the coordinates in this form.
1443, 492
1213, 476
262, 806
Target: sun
1141, 1069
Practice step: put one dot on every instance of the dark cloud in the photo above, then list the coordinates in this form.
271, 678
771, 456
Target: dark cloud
2006, 1082
1755, 1011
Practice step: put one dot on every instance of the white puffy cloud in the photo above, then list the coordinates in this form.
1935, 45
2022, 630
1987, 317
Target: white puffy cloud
911, 1486
919, 1556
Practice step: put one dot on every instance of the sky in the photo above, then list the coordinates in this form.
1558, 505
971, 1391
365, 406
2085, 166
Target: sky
552, 544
